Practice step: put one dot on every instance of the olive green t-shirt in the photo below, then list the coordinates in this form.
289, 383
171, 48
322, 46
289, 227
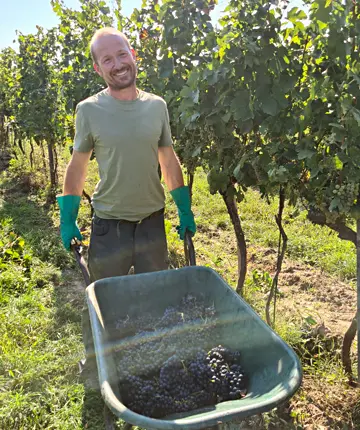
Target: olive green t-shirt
126, 136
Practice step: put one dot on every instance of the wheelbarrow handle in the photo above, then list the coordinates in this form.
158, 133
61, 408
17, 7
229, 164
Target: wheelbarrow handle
189, 249
76, 248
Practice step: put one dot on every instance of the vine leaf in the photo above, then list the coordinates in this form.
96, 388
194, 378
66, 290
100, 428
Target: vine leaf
270, 106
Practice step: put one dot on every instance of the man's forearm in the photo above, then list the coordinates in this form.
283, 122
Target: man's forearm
171, 169
73, 182
174, 178
75, 175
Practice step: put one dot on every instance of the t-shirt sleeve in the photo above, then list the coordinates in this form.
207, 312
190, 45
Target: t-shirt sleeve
83, 140
165, 138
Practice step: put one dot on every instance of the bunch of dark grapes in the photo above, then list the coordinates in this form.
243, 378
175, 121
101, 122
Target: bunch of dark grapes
163, 363
194, 308
227, 374
182, 386
172, 317
144, 355
219, 372
201, 370
176, 380
130, 326
145, 397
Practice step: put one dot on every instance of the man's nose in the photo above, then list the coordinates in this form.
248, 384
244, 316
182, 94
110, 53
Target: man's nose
118, 63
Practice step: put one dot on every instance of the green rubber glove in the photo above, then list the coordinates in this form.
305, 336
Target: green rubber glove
181, 198
69, 208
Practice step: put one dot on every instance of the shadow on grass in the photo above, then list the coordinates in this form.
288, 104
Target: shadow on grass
94, 416
32, 221
176, 259
68, 298
93, 410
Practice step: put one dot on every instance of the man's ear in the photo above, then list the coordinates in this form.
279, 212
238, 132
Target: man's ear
133, 52
97, 69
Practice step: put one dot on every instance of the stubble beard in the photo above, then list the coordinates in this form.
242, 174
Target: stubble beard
116, 86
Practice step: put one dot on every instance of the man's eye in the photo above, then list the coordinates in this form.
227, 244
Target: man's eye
107, 60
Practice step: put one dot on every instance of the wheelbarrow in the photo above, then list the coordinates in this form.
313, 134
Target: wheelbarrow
273, 369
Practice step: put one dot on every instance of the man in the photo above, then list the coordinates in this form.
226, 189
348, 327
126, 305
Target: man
129, 131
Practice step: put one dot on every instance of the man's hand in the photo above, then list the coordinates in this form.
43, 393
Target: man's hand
181, 197
69, 202
69, 208
170, 167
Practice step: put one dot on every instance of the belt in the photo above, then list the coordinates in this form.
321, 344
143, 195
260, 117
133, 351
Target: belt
153, 215
125, 221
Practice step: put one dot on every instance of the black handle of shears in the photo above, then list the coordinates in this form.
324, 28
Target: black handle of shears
189, 249
76, 247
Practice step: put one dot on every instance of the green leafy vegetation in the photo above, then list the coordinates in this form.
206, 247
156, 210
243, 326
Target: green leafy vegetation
265, 115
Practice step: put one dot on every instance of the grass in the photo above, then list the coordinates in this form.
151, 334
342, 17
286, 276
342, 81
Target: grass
314, 245
40, 345
40, 340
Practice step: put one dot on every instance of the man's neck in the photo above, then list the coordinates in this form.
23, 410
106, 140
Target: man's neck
127, 94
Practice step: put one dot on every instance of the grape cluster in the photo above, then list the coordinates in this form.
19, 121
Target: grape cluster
338, 201
175, 370
130, 326
144, 354
227, 376
347, 193
171, 318
180, 330
181, 386
190, 310
166, 369
200, 369
145, 397
220, 372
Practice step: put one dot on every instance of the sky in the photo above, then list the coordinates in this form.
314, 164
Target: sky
24, 15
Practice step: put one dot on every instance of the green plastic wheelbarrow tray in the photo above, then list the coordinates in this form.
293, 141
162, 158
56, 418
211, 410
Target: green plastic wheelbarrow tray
273, 368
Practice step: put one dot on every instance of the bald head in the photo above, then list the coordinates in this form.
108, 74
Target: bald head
114, 59
103, 33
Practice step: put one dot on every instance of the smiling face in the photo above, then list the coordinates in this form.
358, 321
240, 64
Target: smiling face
115, 61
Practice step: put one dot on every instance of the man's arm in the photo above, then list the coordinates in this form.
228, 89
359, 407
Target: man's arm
170, 168
173, 177
75, 174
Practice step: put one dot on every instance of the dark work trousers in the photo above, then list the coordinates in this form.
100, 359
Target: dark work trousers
115, 247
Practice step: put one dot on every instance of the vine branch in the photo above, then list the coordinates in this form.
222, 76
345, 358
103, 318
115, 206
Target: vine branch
281, 254
344, 232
